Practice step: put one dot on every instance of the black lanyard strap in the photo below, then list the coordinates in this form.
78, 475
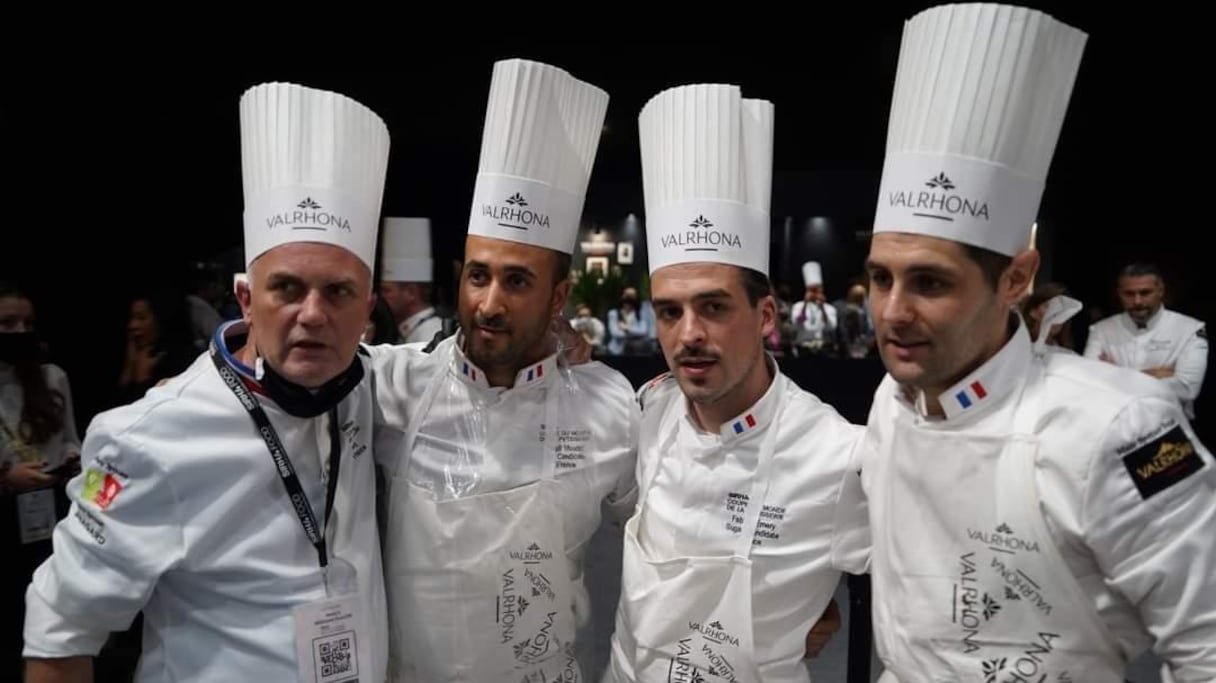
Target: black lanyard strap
282, 463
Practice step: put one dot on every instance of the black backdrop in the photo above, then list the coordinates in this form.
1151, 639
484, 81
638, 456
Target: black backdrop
121, 155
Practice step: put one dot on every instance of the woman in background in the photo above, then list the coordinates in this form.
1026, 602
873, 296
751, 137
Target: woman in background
39, 452
160, 343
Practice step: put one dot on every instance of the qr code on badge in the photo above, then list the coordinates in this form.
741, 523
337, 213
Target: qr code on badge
336, 659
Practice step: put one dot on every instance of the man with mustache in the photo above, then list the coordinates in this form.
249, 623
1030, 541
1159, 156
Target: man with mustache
1035, 516
1146, 336
497, 474
727, 561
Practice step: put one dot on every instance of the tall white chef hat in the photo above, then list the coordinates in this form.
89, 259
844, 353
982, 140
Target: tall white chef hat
980, 96
541, 132
313, 165
707, 172
812, 274
406, 254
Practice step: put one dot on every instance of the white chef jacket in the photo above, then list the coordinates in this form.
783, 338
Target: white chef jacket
814, 322
690, 503
1168, 338
420, 327
1146, 564
194, 527
62, 445
494, 432
597, 417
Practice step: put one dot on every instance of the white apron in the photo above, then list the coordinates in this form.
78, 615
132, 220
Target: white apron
969, 585
689, 619
479, 586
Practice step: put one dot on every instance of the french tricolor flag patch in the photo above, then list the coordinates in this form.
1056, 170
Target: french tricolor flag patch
971, 395
745, 424
536, 372
469, 371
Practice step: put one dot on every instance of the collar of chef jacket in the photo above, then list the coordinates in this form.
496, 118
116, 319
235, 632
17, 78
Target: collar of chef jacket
411, 322
234, 329
1148, 326
747, 423
985, 388
472, 375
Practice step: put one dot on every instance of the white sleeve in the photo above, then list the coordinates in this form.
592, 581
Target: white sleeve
624, 496
1093, 345
120, 536
795, 311
390, 367
1191, 366
851, 545
1148, 515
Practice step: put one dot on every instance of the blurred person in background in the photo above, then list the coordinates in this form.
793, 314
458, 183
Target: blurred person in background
39, 451
159, 343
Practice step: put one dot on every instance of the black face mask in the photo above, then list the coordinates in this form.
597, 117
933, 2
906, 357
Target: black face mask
20, 348
300, 401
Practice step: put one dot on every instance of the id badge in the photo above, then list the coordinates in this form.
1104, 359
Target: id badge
36, 515
332, 641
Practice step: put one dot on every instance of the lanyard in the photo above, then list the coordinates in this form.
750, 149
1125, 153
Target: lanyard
287, 473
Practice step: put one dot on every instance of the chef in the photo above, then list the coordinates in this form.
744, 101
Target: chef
406, 270
1148, 337
1035, 516
727, 558
499, 458
232, 505
813, 317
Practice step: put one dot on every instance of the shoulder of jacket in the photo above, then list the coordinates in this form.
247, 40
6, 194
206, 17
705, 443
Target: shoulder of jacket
602, 375
1085, 386
657, 389
1186, 320
1110, 322
186, 394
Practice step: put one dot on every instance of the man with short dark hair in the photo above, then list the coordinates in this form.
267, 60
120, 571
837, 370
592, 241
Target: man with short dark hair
1148, 337
1035, 516
499, 457
727, 560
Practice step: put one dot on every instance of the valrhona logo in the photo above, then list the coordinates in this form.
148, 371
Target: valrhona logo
533, 554
939, 201
715, 632
702, 237
681, 668
307, 215
1027, 666
513, 213
1003, 541
537, 647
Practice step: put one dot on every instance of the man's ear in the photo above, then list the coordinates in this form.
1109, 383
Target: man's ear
561, 293
244, 297
1018, 278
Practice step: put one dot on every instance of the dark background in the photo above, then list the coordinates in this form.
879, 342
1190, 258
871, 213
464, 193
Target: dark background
121, 166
